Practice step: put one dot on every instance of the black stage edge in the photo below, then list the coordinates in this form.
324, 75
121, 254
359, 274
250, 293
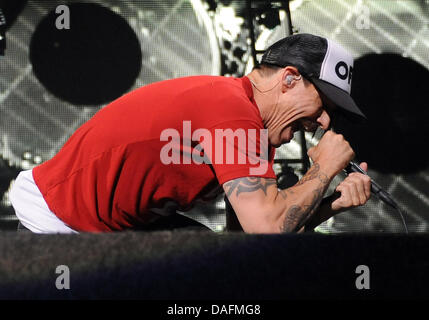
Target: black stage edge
204, 266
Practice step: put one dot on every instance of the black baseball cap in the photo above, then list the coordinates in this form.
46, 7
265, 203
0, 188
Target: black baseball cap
321, 61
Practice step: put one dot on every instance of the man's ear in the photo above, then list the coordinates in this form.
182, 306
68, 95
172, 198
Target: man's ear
288, 76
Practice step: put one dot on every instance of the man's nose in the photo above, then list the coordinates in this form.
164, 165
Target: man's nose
324, 120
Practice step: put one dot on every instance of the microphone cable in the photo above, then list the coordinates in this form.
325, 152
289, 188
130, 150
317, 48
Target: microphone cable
378, 191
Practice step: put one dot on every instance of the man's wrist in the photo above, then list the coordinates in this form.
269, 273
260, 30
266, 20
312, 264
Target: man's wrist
327, 170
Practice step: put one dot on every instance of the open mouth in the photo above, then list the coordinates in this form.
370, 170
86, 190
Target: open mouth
308, 126
296, 127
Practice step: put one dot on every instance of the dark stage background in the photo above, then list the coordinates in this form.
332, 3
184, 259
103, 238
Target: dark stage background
52, 81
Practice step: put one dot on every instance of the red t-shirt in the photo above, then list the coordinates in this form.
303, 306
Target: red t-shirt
109, 174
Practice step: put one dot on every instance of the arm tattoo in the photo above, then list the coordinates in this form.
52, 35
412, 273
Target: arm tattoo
293, 217
313, 173
297, 215
248, 184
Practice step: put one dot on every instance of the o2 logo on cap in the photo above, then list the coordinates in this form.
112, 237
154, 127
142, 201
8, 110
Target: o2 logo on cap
337, 67
343, 71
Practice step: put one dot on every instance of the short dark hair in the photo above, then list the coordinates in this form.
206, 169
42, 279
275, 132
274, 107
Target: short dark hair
266, 69
266, 65
307, 52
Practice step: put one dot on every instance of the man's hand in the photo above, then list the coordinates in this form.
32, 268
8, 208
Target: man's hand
333, 153
355, 190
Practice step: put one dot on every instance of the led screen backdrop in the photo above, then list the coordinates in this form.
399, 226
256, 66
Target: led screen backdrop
53, 80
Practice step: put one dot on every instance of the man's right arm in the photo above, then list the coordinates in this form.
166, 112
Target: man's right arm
262, 208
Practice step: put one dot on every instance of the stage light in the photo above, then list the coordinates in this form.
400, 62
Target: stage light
270, 18
86, 65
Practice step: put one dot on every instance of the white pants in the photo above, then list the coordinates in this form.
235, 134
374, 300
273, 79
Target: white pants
31, 208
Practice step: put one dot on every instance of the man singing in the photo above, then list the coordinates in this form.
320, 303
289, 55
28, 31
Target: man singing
111, 175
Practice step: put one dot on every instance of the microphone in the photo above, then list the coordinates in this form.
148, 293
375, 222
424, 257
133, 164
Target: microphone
376, 189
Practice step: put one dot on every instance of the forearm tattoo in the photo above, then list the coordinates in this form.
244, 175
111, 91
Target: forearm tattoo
296, 215
313, 173
248, 184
